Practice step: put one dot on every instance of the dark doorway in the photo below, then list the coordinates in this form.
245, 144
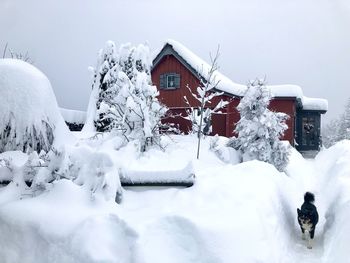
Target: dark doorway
308, 131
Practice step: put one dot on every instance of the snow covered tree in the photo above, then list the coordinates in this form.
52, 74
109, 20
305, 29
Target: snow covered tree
30, 119
201, 118
330, 133
103, 81
259, 130
126, 102
337, 129
344, 127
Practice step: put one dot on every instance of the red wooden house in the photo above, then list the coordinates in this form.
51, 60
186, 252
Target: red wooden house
175, 67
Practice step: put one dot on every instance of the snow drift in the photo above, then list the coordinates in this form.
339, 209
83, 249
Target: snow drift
234, 213
63, 225
30, 118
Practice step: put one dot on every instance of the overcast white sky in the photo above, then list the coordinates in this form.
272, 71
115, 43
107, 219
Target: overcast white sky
303, 42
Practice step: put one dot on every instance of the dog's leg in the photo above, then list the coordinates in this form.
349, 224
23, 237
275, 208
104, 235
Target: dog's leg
302, 233
309, 245
312, 233
309, 240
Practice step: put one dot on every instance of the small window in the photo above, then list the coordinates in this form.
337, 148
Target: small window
170, 81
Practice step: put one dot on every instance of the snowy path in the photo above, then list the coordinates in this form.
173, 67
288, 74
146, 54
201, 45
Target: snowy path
308, 179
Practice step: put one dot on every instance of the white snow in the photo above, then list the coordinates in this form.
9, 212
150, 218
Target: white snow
184, 175
235, 89
91, 112
73, 116
234, 213
27, 102
203, 68
315, 104
17, 157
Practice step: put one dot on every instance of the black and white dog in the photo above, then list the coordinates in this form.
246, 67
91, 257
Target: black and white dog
308, 218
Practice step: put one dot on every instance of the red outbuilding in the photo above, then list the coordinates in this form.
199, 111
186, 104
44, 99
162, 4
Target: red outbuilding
176, 69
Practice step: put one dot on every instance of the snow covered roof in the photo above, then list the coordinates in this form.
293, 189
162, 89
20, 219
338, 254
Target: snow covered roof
198, 65
73, 116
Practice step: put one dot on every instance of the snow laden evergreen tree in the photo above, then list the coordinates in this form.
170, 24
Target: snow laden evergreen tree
103, 81
201, 118
127, 102
259, 130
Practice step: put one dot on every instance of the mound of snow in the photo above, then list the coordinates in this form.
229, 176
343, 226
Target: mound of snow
334, 186
63, 225
17, 158
30, 118
183, 176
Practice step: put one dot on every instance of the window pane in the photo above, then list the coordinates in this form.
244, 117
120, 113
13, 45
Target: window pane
171, 81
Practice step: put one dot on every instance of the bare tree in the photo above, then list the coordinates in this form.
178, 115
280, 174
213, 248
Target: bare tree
205, 93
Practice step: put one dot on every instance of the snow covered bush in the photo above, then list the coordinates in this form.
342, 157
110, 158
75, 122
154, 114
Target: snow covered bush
84, 166
259, 130
123, 98
30, 119
218, 145
92, 170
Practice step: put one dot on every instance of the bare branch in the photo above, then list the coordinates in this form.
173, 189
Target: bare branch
5, 49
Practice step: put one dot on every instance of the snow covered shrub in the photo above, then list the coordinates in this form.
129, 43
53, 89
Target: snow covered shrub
92, 170
259, 130
30, 119
82, 165
224, 153
123, 98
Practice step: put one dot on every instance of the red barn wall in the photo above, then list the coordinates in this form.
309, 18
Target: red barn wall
224, 123
175, 98
232, 117
288, 106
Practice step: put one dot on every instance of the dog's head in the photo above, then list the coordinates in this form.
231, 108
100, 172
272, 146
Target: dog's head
304, 219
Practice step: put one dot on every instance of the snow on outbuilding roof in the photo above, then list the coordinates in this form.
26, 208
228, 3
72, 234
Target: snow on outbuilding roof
228, 86
73, 116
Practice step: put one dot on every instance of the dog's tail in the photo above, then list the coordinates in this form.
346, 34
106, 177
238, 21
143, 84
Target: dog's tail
309, 197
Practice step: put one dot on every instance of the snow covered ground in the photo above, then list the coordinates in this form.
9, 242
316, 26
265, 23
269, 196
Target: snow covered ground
234, 212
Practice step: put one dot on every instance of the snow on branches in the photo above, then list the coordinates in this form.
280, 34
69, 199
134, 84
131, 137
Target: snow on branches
92, 170
125, 99
201, 118
259, 130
